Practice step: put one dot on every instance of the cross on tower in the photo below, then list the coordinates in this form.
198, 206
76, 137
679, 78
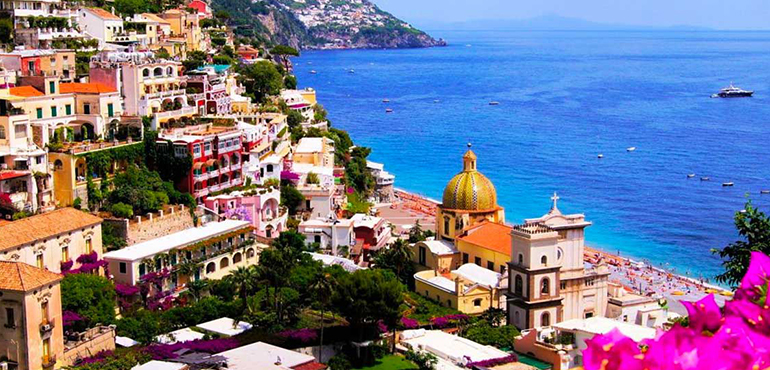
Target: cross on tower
555, 198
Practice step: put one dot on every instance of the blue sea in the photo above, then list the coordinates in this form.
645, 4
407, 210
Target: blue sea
566, 97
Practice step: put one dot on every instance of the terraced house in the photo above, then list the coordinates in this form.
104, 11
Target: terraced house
52, 240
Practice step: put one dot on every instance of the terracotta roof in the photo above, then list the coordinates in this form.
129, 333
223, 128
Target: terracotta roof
312, 365
25, 91
489, 235
46, 225
21, 277
154, 18
99, 12
85, 88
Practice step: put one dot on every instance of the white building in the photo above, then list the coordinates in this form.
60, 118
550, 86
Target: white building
330, 233
452, 351
218, 247
635, 309
101, 24
265, 356
384, 181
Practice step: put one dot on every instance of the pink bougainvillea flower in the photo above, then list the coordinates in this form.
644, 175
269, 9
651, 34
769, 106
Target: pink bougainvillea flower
704, 314
612, 351
756, 277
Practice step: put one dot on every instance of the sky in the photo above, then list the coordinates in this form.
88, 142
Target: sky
717, 14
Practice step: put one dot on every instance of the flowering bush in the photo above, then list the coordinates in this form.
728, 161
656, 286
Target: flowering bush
494, 361
382, 327
88, 258
69, 317
88, 264
447, 320
167, 351
99, 357
302, 335
66, 266
126, 290
737, 337
408, 323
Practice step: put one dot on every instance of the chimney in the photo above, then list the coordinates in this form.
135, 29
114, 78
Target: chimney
457, 286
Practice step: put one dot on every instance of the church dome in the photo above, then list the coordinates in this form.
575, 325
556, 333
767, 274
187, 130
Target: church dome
469, 190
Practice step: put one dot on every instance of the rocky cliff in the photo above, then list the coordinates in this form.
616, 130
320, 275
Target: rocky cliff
323, 24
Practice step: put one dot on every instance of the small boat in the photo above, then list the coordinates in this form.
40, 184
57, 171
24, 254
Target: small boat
689, 176
728, 184
388, 110
352, 71
386, 100
764, 192
705, 179
312, 71
494, 103
436, 101
631, 149
733, 92
600, 156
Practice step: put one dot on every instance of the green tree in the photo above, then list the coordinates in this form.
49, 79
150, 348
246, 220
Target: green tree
195, 59
356, 173
6, 29
322, 291
243, 278
284, 52
483, 333
130, 7
397, 258
290, 82
291, 198
90, 296
367, 296
754, 226
162, 53
294, 119
261, 79
197, 287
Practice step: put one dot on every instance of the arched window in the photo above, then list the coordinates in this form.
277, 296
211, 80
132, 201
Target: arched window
559, 254
521, 258
545, 319
545, 286
250, 253
544, 260
446, 225
518, 285
211, 267
237, 258
269, 168
146, 72
2, 132
477, 302
58, 165
158, 72
224, 263
169, 71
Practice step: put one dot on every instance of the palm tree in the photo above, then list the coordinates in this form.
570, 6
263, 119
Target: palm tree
197, 287
322, 289
401, 255
243, 278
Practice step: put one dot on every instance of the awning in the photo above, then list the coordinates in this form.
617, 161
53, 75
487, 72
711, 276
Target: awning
7, 175
211, 162
198, 165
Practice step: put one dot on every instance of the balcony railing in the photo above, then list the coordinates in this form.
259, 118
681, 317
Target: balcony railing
201, 193
179, 112
164, 94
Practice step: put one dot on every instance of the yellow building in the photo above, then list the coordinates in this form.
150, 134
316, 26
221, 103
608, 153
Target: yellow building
470, 289
469, 198
187, 26
70, 169
33, 334
316, 151
437, 255
487, 244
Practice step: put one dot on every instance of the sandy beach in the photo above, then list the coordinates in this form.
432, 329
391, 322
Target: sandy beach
638, 277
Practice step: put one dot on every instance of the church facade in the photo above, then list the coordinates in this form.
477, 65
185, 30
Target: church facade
548, 281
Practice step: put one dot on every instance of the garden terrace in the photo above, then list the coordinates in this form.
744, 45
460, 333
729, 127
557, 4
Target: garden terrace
85, 147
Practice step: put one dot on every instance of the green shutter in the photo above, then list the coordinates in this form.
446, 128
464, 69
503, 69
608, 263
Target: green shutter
110, 110
68, 109
39, 112
52, 87
53, 111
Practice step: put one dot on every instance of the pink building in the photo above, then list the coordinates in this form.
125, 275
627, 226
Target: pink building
259, 206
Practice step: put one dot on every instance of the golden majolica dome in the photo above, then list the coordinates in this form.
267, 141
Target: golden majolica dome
469, 190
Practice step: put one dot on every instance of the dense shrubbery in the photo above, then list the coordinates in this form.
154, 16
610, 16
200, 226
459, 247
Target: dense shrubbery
92, 297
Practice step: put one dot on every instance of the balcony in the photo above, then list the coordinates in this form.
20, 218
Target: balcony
235, 167
201, 193
49, 361
186, 111
213, 173
164, 94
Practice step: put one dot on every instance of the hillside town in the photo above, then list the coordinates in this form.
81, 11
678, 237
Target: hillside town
170, 199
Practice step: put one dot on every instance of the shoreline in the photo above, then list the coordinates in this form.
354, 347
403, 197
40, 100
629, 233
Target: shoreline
635, 276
